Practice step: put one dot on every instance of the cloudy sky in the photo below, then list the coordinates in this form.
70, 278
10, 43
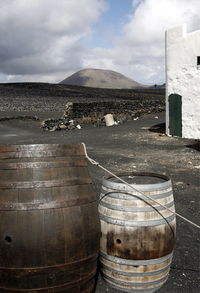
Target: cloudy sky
48, 40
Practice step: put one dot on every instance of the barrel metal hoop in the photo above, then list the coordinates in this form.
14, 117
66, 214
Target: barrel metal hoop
90, 258
135, 290
136, 209
137, 223
52, 288
141, 187
139, 274
131, 290
130, 262
47, 164
42, 184
116, 281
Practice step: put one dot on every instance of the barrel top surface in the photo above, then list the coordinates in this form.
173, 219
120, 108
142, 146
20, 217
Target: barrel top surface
143, 181
76, 147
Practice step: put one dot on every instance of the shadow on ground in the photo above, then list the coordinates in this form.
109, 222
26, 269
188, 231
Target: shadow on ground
158, 128
195, 146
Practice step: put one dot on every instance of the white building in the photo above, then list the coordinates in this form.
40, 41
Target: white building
183, 83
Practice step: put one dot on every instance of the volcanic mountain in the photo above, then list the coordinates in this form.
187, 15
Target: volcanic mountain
101, 78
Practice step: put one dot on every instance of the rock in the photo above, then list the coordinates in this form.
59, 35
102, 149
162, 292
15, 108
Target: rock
43, 124
109, 120
63, 126
68, 110
71, 127
54, 128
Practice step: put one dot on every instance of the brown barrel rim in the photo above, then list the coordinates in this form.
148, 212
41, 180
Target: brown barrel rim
41, 147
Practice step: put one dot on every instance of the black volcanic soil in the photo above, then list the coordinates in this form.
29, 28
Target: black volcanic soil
135, 145
53, 97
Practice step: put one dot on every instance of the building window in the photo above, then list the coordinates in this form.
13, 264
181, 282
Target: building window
198, 60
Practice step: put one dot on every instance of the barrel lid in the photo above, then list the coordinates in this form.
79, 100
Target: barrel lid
142, 181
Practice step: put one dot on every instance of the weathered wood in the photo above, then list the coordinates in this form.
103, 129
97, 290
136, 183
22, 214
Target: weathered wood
137, 235
49, 223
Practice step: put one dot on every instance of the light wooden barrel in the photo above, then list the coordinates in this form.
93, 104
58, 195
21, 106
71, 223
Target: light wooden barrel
137, 235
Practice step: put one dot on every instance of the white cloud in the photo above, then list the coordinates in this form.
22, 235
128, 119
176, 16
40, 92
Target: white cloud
43, 36
153, 17
139, 52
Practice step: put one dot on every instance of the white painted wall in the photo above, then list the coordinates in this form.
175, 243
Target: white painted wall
183, 77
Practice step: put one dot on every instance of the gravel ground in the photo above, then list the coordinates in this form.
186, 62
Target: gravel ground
137, 145
37, 97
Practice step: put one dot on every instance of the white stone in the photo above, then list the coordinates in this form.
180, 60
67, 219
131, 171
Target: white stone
109, 120
183, 77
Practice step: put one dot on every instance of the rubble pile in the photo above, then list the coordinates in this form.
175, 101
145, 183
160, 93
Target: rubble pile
70, 124
60, 124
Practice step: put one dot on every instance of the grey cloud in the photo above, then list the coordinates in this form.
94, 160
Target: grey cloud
43, 36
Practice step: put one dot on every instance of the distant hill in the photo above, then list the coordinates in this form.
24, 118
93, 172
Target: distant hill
158, 86
101, 78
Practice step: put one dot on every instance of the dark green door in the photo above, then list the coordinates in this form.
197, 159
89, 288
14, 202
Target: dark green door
175, 115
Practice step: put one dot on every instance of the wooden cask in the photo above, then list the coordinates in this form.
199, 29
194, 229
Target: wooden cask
137, 235
49, 222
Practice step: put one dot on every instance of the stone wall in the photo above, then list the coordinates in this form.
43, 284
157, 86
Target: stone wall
125, 110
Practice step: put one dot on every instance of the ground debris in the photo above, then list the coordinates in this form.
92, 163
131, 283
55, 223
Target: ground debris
63, 123
58, 124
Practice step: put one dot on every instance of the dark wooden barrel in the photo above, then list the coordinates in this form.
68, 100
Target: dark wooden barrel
49, 224
138, 234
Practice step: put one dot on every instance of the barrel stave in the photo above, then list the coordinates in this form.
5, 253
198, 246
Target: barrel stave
137, 242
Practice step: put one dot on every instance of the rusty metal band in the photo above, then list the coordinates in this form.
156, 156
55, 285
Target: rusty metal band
130, 262
133, 196
128, 223
69, 265
47, 164
139, 274
131, 290
135, 209
136, 284
47, 184
52, 289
